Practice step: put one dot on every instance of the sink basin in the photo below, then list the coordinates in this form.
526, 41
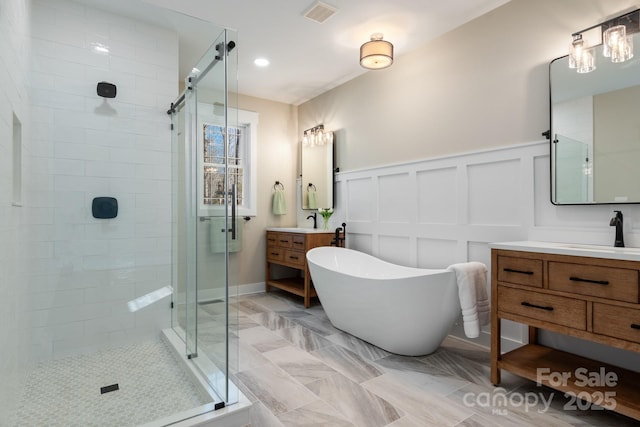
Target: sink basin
298, 230
600, 248
575, 249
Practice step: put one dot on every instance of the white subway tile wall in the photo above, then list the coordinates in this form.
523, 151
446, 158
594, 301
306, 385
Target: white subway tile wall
84, 270
15, 252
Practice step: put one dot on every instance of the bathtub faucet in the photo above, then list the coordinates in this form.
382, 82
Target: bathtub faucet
315, 219
339, 241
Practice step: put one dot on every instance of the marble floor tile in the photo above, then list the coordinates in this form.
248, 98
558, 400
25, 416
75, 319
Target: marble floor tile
426, 377
355, 403
272, 320
213, 308
236, 322
262, 339
456, 365
317, 324
316, 309
564, 408
456, 368
303, 338
248, 307
261, 416
490, 403
301, 365
362, 348
276, 389
467, 350
317, 413
347, 363
406, 421
278, 301
241, 356
430, 408
476, 421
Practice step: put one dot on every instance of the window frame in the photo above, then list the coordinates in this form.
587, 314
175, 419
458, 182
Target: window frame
249, 121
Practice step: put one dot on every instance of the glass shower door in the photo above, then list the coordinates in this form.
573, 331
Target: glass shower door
207, 230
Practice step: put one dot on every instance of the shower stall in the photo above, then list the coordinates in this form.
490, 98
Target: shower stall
119, 229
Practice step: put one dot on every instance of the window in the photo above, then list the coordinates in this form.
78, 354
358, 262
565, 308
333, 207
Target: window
242, 164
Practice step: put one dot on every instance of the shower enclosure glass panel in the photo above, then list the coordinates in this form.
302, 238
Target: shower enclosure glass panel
207, 234
574, 168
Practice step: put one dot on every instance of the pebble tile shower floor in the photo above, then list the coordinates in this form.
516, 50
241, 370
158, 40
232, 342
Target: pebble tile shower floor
66, 392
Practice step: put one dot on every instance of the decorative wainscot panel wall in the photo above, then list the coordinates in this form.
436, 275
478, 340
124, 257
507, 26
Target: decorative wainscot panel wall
436, 212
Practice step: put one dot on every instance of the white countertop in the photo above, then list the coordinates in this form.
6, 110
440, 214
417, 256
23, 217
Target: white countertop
299, 230
575, 249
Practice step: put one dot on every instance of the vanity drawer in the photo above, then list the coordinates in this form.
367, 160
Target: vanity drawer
618, 322
550, 308
272, 238
294, 257
606, 282
520, 271
284, 240
275, 253
297, 242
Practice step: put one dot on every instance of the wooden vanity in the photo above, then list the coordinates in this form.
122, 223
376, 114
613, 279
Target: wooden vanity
587, 292
288, 247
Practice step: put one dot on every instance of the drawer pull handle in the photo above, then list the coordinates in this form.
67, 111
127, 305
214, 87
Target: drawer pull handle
293, 257
511, 270
635, 326
284, 241
541, 307
275, 253
597, 282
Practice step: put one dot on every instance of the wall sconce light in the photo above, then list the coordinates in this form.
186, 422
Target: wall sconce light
615, 37
376, 54
316, 136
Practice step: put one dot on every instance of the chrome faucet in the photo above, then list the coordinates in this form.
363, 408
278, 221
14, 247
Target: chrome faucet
617, 222
315, 219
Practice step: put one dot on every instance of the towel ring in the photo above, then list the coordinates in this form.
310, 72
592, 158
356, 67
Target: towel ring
311, 187
277, 185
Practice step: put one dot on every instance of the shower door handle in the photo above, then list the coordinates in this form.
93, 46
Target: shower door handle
233, 212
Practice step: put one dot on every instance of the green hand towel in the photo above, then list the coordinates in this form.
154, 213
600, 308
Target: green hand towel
312, 201
279, 202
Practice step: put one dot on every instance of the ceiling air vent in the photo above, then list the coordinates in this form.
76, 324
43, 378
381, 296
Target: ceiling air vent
320, 12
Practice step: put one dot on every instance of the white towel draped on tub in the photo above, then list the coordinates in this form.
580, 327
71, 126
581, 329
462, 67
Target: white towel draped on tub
472, 291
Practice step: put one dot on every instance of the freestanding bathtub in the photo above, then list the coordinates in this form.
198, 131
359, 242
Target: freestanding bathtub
403, 310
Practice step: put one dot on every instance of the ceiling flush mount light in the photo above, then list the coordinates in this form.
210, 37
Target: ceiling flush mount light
261, 62
376, 54
317, 136
615, 37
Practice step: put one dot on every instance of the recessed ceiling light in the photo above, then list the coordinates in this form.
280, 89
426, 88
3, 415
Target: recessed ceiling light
261, 62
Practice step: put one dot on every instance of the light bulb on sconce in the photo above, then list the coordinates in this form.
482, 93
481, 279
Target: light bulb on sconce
316, 136
614, 37
616, 44
580, 57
